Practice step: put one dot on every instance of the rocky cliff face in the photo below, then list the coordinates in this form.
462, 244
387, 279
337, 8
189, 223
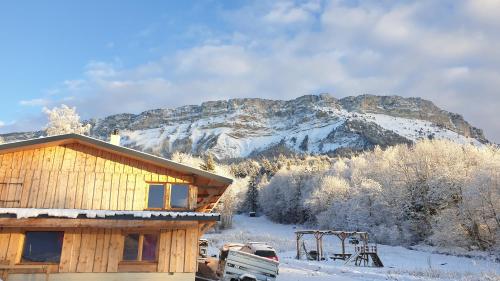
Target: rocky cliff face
319, 124
414, 108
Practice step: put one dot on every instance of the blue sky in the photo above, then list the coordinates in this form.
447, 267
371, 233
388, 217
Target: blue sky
107, 57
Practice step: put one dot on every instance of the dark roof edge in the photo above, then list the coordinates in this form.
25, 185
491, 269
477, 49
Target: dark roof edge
124, 217
128, 151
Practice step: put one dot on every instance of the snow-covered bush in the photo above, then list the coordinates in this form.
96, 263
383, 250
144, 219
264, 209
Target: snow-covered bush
64, 120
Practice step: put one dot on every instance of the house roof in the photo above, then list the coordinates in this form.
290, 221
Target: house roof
76, 138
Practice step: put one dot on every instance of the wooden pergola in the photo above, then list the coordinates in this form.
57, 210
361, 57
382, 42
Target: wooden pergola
319, 234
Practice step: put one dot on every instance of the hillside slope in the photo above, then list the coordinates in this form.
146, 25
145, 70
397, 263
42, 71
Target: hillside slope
318, 124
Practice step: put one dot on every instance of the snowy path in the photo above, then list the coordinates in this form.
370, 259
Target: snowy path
400, 263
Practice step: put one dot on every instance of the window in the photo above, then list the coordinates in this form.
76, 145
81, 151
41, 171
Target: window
156, 196
43, 246
140, 247
131, 247
166, 196
149, 247
179, 196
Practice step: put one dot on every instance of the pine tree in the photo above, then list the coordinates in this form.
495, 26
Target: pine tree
252, 196
268, 168
209, 163
304, 145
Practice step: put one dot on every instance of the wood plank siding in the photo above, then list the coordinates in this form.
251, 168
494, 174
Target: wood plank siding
75, 176
100, 250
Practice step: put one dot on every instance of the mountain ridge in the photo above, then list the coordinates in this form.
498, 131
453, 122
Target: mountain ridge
318, 124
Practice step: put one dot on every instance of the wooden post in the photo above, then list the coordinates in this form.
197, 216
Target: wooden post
365, 239
343, 246
299, 235
319, 245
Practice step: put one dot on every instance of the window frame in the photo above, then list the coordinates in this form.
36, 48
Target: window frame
167, 196
140, 247
21, 260
170, 196
164, 197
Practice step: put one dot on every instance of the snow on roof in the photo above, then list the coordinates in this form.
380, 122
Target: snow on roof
21, 213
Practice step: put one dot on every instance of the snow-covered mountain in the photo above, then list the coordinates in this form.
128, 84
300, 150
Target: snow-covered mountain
319, 124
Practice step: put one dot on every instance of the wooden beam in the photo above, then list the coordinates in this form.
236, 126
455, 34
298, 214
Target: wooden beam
319, 245
298, 236
206, 226
208, 196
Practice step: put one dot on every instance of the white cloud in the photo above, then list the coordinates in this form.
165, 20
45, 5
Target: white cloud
439, 50
290, 13
99, 69
35, 102
2, 123
74, 84
396, 26
459, 72
485, 11
218, 60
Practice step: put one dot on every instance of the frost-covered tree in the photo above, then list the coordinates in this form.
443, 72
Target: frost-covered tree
435, 191
329, 190
248, 168
2, 140
268, 168
208, 163
64, 120
284, 198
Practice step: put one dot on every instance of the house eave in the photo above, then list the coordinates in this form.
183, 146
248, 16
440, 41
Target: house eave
32, 213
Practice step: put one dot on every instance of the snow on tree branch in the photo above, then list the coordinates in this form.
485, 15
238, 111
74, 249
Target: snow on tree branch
64, 120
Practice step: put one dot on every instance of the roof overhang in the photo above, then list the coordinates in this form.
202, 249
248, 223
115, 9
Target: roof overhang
23, 213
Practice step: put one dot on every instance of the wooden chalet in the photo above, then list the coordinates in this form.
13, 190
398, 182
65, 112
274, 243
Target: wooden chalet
77, 208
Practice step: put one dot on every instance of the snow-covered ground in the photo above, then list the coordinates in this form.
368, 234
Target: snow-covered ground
400, 263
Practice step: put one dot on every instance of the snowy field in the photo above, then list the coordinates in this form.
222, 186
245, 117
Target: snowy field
400, 263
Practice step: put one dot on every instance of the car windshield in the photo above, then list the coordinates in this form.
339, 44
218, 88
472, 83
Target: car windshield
265, 253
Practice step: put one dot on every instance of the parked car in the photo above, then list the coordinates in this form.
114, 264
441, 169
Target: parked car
261, 249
